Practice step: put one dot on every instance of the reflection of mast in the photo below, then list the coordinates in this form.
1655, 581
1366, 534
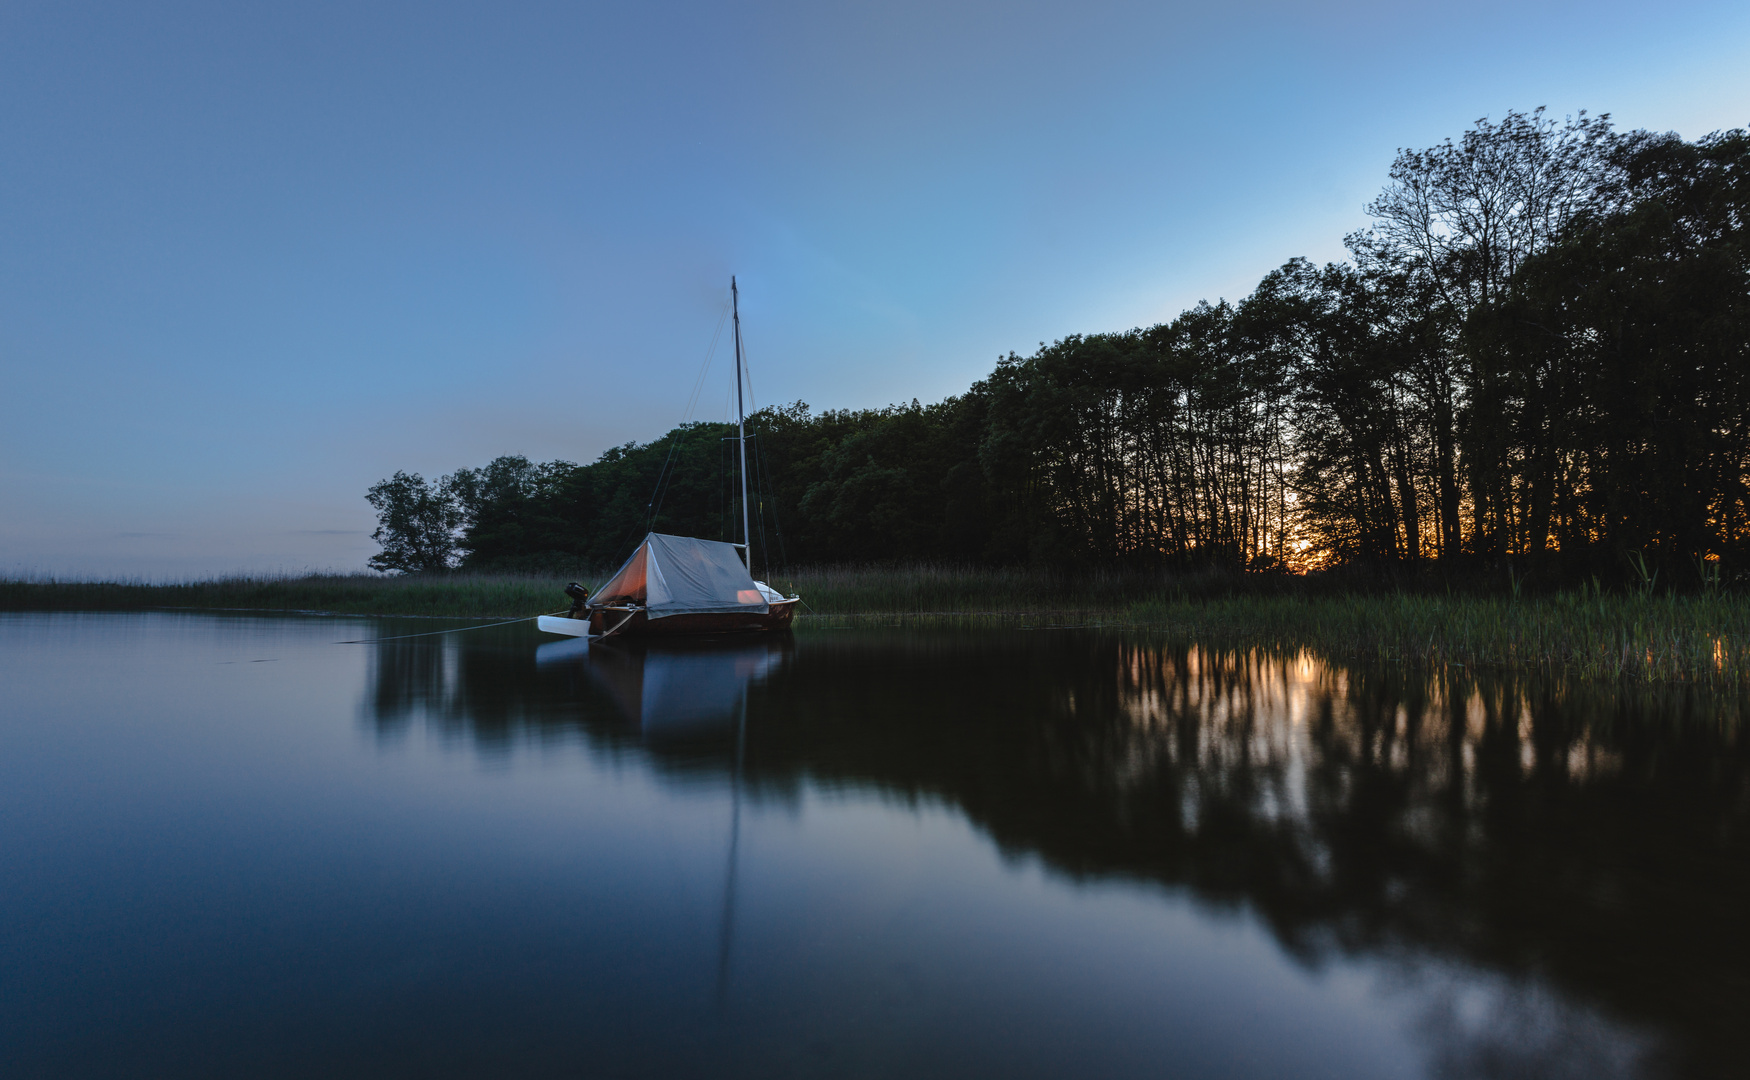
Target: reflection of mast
726, 936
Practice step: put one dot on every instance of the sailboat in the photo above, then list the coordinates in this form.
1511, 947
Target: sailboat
681, 584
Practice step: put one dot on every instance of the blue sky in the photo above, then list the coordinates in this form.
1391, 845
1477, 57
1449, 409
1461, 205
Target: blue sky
255, 257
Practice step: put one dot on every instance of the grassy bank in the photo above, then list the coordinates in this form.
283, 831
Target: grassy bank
962, 591
455, 595
1670, 638
1656, 639
830, 591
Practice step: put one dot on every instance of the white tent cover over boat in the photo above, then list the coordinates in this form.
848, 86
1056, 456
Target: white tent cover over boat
678, 575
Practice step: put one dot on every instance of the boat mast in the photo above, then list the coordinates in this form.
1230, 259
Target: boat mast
741, 427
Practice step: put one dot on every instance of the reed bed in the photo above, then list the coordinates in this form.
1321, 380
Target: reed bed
963, 590
448, 595
828, 590
1694, 639
1627, 636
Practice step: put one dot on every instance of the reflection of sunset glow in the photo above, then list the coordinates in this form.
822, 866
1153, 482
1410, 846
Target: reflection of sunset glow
1278, 716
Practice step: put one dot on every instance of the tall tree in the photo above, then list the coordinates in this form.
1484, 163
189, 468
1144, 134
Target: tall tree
1536, 354
1459, 220
1629, 341
509, 512
416, 524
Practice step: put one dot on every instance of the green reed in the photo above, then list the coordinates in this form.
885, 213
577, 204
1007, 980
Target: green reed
1591, 634
453, 595
1594, 634
1666, 638
970, 590
828, 590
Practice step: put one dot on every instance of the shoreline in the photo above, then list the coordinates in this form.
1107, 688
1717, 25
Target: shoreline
1685, 639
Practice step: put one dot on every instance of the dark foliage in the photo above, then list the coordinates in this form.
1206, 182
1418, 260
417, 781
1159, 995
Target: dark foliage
416, 523
1532, 363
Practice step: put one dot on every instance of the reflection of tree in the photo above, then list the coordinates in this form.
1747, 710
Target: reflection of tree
1589, 838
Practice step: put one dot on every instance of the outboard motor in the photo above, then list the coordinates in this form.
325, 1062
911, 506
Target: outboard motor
579, 596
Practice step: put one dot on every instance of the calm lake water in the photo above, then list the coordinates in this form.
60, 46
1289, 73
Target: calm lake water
232, 847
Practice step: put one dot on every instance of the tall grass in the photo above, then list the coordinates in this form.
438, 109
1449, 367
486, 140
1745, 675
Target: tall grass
1638, 636
827, 590
1701, 639
963, 590
456, 595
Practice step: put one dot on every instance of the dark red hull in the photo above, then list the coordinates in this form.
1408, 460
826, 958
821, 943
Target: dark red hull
637, 624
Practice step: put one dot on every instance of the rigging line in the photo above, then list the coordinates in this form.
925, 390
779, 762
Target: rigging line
762, 476
692, 403
451, 630
722, 490
699, 383
759, 507
726, 483
747, 373
759, 449
765, 545
654, 506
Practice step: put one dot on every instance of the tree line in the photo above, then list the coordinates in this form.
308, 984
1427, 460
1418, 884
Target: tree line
1533, 357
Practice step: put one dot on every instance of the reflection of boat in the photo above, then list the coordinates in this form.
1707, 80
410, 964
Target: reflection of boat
682, 585
676, 688
673, 688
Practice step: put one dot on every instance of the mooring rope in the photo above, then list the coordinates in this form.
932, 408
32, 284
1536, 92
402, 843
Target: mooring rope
451, 630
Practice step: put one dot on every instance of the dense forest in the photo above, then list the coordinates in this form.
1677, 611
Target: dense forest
1533, 360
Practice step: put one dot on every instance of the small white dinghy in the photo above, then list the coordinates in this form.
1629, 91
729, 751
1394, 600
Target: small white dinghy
563, 624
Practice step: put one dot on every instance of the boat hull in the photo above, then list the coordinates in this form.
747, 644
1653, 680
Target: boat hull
777, 617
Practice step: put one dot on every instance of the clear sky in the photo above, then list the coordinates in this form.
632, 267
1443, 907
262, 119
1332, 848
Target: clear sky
254, 257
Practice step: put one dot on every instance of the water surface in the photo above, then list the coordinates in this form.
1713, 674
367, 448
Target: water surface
230, 846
